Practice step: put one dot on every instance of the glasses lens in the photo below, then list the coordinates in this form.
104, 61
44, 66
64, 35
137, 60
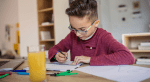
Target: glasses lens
79, 31
82, 32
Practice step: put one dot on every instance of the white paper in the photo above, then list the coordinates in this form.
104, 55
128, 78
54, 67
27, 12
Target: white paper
55, 66
122, 73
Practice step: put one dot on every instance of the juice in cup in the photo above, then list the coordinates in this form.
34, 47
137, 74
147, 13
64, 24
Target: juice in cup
37, 68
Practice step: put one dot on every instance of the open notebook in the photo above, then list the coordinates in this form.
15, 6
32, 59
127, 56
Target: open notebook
56, 66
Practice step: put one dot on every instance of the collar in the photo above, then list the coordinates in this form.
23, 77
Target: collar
90, 36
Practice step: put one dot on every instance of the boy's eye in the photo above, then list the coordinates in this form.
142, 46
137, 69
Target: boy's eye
82, 29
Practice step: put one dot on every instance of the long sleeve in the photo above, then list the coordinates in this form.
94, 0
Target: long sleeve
64, 45
115, 53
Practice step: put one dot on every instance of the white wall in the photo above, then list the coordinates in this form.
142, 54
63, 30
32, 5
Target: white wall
61, 20
111, 18
99, 12
28, 25
8, 16
105, 14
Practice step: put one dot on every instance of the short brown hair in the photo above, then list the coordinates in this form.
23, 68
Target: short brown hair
82, 8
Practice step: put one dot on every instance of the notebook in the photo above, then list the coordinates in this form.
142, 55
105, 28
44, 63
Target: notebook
6, 65
56, 66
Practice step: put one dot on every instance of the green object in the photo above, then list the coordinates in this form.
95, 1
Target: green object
68, 72
65, 74
4, 76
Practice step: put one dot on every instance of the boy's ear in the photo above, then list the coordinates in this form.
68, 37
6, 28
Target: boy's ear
97, 23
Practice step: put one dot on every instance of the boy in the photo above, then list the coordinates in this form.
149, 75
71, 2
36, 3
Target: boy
86, 42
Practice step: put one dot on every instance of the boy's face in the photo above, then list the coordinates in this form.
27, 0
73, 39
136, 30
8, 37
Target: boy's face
83, 24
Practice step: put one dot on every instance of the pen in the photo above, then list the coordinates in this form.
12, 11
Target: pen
62, 53
4, 76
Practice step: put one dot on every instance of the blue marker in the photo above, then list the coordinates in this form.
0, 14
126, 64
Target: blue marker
22, 73
18, 70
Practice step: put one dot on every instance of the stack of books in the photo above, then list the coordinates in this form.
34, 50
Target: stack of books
45, 23
45, 35
145, 60
144, 46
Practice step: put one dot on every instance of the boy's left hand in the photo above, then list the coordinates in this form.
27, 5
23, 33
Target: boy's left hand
83, 59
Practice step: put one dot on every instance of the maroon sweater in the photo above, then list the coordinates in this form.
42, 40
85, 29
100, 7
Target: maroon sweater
101, 47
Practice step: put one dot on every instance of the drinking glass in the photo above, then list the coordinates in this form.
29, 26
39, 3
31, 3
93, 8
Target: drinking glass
37, 63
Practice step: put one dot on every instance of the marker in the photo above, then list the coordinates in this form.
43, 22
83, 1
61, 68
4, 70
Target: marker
68, 72
62, 53
18, 70
3, 73
13, 71
22, 73
4, 76
63, 74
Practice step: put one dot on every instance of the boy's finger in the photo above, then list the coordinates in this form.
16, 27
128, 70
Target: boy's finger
75, 60
62, 59
73, 63
59, 59
66, 54
61, 55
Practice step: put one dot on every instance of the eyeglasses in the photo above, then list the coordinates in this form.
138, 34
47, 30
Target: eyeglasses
80, 31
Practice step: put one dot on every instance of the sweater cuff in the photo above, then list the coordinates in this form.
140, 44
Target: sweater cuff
52, 54
53, 59
93, 60
96, 60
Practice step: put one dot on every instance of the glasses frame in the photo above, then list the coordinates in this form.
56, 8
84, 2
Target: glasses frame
80, 31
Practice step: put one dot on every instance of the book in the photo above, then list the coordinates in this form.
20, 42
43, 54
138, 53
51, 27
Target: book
142, 63
143, 47
143, 59
45, 35
145, 44
56, 66
45, 23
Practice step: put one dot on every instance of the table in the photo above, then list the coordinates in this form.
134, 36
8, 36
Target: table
80, 77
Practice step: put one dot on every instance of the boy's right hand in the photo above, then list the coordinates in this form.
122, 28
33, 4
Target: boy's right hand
60, 57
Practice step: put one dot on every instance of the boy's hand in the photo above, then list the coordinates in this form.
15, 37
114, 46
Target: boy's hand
60, 57
83, 59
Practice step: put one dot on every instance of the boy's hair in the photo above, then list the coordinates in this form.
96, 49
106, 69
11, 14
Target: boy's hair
82, 8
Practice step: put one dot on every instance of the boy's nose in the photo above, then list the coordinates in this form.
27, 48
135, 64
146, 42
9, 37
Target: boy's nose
78, 34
